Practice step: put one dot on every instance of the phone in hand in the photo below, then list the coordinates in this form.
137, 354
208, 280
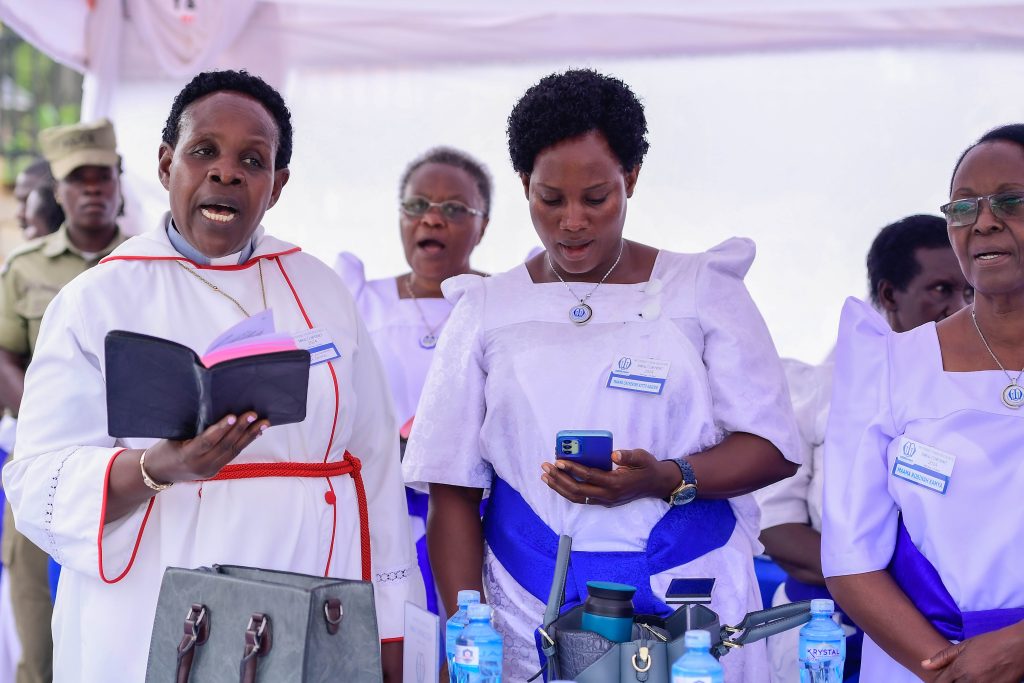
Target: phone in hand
689, 591
589, 447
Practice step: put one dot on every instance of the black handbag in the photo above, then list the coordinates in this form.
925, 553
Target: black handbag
226, 624
587, 657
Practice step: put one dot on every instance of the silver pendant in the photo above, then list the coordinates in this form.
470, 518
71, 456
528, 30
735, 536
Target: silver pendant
581, 313
428, 341
1013, 395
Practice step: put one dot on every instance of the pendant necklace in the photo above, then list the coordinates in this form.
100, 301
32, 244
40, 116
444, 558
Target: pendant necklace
1013, 394
581, 313
218, 290
429, 340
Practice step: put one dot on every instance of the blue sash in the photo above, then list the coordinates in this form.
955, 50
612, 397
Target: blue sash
920, 580
527, 548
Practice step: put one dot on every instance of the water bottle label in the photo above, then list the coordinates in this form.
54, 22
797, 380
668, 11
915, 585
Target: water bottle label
467, 655
818, 651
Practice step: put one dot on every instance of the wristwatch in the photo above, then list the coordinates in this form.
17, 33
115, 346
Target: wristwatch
687, 489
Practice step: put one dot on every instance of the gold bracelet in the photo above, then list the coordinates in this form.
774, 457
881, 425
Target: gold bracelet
146, 479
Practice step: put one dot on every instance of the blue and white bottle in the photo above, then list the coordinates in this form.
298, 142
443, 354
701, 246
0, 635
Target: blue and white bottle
822, 646
457, 622
697, 665
478, 649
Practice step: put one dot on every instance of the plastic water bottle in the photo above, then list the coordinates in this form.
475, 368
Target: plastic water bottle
478, 649
822, 646
457, 622
697, 665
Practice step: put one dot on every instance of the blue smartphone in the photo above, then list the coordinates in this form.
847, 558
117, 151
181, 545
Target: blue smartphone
689, 591
589, 447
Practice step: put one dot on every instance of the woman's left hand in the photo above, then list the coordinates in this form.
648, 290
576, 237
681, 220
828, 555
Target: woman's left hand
638, 475
994, 657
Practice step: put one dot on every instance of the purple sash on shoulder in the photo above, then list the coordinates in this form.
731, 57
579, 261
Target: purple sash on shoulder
913, 573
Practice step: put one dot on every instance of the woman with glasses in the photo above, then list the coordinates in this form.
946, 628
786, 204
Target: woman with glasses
445, 200
923, 538
666, 351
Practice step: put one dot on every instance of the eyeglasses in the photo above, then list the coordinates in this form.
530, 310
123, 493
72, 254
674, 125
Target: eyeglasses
964, 212
451, 210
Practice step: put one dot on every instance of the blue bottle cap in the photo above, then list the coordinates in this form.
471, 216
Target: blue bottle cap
822, 606
479, 611
467, 598
697, 638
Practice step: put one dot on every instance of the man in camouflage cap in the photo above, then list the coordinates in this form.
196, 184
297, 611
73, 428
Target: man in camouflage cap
86, 167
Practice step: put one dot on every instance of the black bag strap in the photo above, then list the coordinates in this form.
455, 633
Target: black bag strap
258, 640
763, 623
197, 630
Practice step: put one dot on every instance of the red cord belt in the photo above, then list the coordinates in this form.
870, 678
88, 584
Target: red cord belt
253, 470
349, 465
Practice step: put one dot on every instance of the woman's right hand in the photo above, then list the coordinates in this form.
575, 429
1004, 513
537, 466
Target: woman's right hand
168, 462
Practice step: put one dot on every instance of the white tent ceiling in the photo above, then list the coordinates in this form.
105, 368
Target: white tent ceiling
116, 40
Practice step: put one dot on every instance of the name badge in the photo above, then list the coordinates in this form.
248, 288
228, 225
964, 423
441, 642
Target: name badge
923, 465
644, 375
319, 344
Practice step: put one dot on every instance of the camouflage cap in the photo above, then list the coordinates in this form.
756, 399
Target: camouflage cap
80, 144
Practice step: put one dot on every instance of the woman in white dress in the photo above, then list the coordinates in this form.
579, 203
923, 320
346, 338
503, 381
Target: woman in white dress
116, 512
923, 531
667, 351
445, 201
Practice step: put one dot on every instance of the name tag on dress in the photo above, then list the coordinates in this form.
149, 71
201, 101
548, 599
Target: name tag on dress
923, 465
644, 375
319, 344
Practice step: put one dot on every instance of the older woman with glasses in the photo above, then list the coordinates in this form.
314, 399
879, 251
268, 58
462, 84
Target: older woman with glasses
445, 200
667, 351
923, 538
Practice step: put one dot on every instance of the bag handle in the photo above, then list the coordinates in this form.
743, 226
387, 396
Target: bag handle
556, 598
333, 612
197, 630
258, 640
763, 623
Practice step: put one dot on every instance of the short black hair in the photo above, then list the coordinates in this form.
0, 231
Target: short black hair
892, 253
1013, 132
566, 105
449, 156
242, 82
40, 171
50, 211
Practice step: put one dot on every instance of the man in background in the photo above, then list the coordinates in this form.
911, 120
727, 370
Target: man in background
86, 171
914, 279
37, 174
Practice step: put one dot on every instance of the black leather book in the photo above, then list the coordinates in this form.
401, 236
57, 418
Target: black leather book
160, 389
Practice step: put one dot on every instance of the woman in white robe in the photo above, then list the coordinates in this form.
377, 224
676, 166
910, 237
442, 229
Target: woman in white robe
923, 531
110, 519
675, 361
443, 213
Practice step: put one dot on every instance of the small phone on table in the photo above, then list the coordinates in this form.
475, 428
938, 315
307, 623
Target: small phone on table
689, 591
589, 447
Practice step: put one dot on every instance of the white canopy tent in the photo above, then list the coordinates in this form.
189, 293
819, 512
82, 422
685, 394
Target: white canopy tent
805, 124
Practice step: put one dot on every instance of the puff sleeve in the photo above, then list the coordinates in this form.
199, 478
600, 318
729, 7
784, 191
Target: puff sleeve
352, 272
745, 375
859, 515
444, 446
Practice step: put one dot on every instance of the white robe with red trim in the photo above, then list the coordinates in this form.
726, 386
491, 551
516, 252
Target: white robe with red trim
57, 482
